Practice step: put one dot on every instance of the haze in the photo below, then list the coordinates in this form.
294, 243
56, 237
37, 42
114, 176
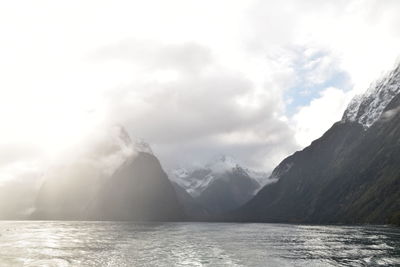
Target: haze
256, 80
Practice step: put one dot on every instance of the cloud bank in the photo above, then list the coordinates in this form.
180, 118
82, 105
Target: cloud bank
256, 79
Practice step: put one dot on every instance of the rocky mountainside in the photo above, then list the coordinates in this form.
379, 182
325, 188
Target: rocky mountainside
114, 179
366, 109
349, 175
220, 186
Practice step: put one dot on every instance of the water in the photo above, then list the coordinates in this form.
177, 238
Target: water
195, 244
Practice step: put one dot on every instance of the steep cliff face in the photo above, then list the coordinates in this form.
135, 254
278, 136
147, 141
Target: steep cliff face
366, 109
349, 175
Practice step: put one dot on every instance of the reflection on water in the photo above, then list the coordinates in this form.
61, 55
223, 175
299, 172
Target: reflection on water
195, 244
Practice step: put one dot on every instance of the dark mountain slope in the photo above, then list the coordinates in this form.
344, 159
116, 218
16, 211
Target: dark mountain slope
302, 177
349, 175
138, 191
232, 189
371, 174
192, 208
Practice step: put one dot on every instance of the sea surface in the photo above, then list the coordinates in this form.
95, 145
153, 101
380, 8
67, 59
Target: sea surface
57, 243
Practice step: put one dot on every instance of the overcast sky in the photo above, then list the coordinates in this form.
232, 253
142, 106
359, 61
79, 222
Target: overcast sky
256, 80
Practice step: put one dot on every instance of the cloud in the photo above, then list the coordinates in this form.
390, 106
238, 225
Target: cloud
198, 113
82, 167
254, 79
152, 56
312, 120
389, 114
19, 183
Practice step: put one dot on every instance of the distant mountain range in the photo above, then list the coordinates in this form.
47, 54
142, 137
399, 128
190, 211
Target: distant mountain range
349, 175
218, 187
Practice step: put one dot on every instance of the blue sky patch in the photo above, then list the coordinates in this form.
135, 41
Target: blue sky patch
314, 74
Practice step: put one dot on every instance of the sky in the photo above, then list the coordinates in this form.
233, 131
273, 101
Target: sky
256, 80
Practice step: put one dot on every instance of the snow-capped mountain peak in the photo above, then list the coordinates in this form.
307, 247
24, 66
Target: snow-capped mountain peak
368, 107
196, 180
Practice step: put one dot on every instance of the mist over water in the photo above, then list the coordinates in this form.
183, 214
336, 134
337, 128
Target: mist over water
56, 243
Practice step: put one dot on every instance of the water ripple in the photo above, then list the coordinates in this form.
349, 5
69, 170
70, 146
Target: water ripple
35, 243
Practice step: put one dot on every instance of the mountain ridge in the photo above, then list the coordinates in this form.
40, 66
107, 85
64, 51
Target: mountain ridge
217, 187
348, 175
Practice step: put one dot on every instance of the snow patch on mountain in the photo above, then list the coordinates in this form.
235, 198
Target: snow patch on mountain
192, 181
367, 108
196, 180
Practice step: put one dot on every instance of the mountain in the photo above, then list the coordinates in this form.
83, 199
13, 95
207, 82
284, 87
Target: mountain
366, 109
138, 191
228, 191
349, 175
219, 186
115, 178
193, 209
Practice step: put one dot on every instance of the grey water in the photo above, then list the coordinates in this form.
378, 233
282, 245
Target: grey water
58, 243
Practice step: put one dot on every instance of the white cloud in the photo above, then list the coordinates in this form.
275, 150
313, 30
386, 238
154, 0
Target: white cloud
209, 109
193, 78
311, 121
